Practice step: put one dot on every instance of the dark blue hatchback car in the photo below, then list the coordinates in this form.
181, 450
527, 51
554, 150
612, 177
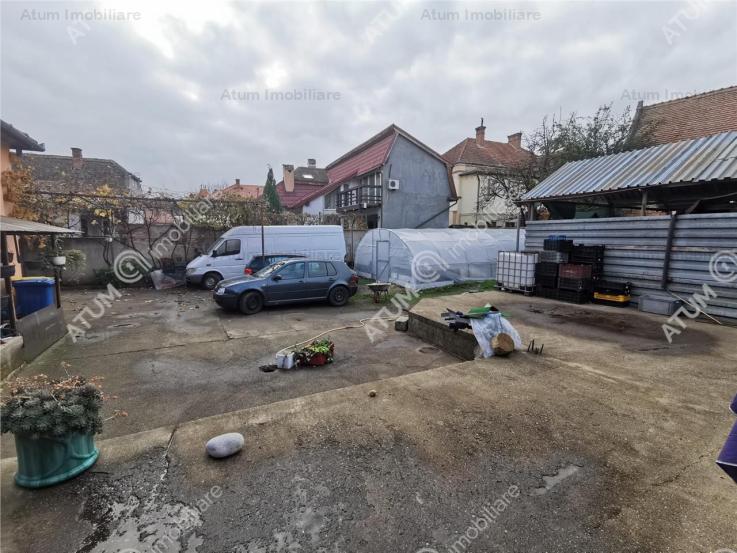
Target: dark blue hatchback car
288, 281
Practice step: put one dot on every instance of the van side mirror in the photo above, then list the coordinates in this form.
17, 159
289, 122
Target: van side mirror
276, 277
214, 253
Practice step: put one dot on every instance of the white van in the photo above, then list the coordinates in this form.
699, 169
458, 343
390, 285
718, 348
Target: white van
229, 255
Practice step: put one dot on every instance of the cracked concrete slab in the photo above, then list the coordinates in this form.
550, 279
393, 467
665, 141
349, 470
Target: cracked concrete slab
426, 461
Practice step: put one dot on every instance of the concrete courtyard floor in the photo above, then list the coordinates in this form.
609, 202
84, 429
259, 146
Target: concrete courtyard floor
606, 442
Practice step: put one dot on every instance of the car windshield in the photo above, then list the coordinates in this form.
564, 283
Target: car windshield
266, 271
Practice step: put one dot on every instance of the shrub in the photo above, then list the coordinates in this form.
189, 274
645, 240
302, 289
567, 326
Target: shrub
43, 406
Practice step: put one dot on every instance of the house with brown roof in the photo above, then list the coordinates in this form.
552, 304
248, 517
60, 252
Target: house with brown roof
18, 141
686, 118
392, 180
304, 190
77, 173
475, 160
239, 190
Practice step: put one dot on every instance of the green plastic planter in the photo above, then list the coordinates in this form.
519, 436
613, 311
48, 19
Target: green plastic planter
48, 460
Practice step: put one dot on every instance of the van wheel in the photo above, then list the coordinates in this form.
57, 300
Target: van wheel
250, 303
338, 296
210, 280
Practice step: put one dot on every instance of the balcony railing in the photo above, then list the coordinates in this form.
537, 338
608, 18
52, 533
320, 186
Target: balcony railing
361, 197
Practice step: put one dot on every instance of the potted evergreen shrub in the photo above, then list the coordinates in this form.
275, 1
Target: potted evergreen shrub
54, 422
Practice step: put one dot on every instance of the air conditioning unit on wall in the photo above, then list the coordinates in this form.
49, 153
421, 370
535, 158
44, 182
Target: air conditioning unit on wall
392, 184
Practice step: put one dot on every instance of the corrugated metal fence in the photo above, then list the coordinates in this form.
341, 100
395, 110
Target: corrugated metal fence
635, 251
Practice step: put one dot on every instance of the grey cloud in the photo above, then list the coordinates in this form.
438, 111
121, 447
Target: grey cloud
117, 94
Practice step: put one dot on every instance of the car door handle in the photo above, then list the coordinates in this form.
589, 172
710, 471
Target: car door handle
331, 280
239, 258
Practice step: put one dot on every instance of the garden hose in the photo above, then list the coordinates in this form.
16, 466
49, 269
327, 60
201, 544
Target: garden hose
362, 323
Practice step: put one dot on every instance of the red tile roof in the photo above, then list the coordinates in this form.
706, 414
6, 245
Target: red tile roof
363, 161
494, 154
303, 192
371, 155
241, 190
687, 118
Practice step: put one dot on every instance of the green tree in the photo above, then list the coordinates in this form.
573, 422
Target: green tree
270, 194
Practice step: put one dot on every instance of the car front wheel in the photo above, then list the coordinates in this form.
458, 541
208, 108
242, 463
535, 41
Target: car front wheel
339, 296
250, 303
210, 280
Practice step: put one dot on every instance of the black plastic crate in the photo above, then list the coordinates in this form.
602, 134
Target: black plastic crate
614, 288
547, 269
587, 254
546, 292
547, 281
547, 256
575, 284
557, 245
597, 269
584, 296
586, 258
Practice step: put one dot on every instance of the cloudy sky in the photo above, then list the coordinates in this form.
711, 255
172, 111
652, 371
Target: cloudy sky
176, 91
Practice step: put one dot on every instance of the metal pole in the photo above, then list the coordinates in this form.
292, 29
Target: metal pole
643, 205
57, 272
8, 282
668, 248
57, 286
263, 248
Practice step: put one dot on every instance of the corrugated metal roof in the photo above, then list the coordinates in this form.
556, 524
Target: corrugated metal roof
703, 159
11, 225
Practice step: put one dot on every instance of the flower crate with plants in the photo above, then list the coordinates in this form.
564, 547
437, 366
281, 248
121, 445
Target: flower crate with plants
316, 353
54, 422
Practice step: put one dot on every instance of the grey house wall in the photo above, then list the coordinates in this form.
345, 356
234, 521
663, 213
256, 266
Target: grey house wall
423, 188
635, 252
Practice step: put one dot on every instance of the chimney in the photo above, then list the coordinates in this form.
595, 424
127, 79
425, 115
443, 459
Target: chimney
480, 133
76, 158
237, 182
288, 178
515, 139
311, 162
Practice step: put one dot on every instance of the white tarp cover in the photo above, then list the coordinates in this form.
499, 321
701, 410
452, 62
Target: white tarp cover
428, 258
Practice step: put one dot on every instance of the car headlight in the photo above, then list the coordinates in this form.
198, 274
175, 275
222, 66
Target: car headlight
190, 271
220, 291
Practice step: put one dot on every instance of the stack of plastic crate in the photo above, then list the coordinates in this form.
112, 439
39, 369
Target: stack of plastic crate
575, 283
557, 251
589, 255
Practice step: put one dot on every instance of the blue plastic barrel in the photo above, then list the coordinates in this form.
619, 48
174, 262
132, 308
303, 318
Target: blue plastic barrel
32, 294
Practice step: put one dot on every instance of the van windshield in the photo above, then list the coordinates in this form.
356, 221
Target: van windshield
266, 271
215, 245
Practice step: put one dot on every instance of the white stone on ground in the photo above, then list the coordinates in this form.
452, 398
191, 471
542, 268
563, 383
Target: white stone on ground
225, 445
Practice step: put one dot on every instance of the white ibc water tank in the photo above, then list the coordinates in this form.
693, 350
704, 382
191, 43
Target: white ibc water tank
516, 270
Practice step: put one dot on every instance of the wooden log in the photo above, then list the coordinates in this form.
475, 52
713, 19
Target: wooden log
502, 344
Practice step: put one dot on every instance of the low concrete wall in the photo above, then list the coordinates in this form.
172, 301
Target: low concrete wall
11, 355
461, 344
